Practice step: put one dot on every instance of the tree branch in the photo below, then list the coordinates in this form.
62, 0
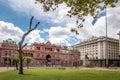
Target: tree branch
35, 26
31, 22
24, 45
26, 33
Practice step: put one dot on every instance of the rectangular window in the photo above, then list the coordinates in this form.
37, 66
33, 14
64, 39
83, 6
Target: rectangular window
57, 50
38, 48
48, 49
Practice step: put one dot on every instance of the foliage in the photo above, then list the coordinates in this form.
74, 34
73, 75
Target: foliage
115, 63
79, 8
28, 60
15, 56
54, 74
15, 59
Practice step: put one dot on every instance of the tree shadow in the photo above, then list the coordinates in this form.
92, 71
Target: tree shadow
27, 74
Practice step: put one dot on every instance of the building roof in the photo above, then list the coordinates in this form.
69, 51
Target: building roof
97, 39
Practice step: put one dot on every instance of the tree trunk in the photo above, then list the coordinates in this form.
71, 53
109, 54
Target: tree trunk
21, 46
16, 64
21, 62
27, 65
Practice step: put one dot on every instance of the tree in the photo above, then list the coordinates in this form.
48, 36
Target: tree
15, 59
21, 45
79, 8
28, 60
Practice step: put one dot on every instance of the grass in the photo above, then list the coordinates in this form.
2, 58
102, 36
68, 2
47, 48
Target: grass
54, 74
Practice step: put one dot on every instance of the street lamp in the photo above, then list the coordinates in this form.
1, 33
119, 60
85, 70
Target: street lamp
106, 51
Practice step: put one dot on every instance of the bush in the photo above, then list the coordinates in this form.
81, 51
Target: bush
115, 63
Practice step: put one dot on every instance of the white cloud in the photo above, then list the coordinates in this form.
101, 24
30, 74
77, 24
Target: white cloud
58, 35
9, 30
62, 33
29, 8
99, 28
35, 37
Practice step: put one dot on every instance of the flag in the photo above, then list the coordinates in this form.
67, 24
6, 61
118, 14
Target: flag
103, 13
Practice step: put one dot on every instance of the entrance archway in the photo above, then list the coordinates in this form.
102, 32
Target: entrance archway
48, 60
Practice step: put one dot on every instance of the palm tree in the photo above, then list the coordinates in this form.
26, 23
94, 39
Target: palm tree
28, 60
15, 59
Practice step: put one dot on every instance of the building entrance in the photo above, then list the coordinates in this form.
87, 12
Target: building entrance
48, 60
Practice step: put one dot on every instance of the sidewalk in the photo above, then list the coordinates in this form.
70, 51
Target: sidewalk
66, 68
6, 68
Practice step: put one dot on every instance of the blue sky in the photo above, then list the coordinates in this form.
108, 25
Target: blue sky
55, 26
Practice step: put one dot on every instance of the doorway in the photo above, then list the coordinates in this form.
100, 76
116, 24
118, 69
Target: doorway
48, 60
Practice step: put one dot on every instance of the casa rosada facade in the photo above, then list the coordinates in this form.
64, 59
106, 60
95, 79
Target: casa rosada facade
43, 54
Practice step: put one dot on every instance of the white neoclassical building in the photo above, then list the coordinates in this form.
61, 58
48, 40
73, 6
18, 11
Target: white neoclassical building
94, 49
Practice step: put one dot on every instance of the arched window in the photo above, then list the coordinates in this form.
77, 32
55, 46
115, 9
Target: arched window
31, 55
6, 53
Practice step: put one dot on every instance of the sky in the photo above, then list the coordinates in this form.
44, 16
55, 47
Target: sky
54, 25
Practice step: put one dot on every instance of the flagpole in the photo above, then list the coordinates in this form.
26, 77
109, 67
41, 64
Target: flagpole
106, 51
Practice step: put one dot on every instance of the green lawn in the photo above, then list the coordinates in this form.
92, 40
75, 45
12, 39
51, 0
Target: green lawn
49, 74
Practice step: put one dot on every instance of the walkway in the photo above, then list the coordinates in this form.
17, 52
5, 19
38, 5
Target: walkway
66, 68
6, 68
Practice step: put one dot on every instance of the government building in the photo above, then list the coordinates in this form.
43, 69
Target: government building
42, 54
93, 51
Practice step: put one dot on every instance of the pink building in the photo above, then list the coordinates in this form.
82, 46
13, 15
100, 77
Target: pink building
43, 54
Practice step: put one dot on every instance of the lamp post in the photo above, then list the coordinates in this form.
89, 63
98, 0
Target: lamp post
119, 49
106, 51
